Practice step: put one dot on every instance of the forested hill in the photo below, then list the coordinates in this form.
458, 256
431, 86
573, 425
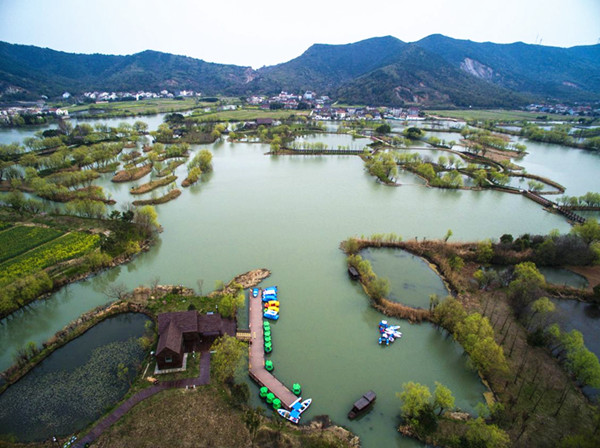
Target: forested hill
436, 70
41, 71
564, 73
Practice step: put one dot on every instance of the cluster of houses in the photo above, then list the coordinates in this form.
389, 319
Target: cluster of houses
7, 113
562, 109
366, 113
285, 100
132, 96
323, 109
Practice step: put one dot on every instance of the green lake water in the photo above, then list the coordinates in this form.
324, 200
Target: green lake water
289, 214
412, 281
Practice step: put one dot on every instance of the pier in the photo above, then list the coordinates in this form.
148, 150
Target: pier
256, 358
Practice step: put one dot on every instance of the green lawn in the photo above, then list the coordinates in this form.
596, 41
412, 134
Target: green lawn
157, 105
19, 239
192, 370
497, 114
249, 114
71, 245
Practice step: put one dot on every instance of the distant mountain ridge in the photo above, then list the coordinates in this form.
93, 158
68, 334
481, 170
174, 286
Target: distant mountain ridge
435, 71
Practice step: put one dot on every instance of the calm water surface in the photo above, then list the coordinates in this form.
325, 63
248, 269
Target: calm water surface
289, 214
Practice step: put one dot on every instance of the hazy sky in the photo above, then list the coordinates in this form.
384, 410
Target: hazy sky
266, 32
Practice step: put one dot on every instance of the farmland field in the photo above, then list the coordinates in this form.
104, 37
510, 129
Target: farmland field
69, 246
20, 239
498, 114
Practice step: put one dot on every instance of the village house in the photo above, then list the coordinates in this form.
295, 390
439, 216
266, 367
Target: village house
187, 331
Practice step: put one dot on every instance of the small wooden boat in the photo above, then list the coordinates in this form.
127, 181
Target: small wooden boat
362, 404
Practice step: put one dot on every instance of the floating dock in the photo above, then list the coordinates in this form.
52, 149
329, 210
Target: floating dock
256, 358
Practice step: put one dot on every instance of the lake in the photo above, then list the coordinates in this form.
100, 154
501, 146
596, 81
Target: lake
289, 214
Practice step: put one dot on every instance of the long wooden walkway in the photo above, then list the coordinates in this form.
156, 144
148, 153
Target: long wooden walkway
202, 378
256, 358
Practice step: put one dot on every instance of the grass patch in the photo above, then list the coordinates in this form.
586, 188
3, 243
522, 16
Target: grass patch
176, 302
161, 200
142, 107
69, 246
182, 418
132, 174
249, 114
145, 188
192, 370
20, 239
497, 114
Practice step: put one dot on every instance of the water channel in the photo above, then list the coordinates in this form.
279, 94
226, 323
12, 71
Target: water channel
289, 214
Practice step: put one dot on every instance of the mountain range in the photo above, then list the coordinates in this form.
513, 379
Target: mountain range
434, 71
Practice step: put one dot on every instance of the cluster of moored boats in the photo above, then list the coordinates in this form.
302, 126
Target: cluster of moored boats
388, 333
298, 407
271, 311
270, 301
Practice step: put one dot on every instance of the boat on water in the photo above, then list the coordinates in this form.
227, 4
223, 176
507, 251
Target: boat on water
301, 406
293, 415
362, 404
255, 292
270, 314
388, 333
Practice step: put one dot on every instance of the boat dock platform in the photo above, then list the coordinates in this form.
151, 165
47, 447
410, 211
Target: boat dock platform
256, 358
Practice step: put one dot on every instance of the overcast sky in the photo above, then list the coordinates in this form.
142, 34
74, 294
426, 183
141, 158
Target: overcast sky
267, 32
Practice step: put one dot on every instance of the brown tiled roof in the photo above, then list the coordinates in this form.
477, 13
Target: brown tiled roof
170, 339
209, 324
186, 321
172, 327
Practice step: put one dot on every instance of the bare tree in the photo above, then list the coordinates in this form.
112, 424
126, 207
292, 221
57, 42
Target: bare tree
200, 283
154, 281
116, 291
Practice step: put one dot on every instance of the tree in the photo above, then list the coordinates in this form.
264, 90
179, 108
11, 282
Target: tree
448, 235
140, 127
434, 301
588, 231
456, 263
378, 288
485, 252
229, 305
442, 398
486, 436
472, 330
448, 313
542, 305
383, 129
147, 218
413, 133
228, 353
252, 419
116, 291
415, 399
525, 286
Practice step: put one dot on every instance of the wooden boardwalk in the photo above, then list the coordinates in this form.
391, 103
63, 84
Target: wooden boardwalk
256, 358
203, 378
